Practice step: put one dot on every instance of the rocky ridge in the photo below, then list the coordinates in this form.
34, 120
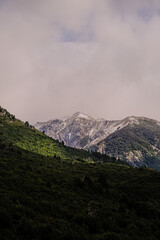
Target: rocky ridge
134, 139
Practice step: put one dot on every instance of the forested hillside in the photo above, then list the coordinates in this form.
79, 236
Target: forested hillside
64, 197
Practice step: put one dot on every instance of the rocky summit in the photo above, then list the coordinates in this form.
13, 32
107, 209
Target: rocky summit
133, 139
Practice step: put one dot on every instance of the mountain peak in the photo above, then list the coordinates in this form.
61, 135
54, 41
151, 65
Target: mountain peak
128, 139
80, 115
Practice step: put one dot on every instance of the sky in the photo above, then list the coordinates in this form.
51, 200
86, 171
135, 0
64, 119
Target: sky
99, 57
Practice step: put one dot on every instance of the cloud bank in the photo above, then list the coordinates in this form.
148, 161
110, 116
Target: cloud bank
101, 57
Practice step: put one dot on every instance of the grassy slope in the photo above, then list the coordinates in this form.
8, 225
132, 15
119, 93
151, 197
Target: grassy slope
45, 197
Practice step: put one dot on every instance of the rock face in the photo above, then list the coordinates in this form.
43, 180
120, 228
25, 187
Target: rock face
134, 139
79, 130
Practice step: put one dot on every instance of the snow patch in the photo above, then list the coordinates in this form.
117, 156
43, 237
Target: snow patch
81, 115
69, 136
91, 132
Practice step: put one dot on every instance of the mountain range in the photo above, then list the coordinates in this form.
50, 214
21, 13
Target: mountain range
49, 191
133, 139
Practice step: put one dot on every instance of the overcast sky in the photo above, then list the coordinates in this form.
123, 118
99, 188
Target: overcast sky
100, 57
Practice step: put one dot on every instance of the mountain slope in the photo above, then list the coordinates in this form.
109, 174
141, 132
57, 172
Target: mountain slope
44, 197
134, 139
139, 143
13, 132
79, 130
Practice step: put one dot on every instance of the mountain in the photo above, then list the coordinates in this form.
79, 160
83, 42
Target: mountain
52, 192
138, 143
79, 130
133, 139
15, 133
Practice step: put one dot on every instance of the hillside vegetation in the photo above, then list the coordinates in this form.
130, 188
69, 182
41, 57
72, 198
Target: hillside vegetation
54, 197
14, 132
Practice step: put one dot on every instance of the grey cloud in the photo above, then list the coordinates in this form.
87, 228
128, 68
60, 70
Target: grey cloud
108, 66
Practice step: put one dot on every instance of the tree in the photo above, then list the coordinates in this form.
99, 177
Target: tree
26, 124
13, 117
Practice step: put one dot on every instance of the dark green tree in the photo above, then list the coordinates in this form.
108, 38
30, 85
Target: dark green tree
27, 124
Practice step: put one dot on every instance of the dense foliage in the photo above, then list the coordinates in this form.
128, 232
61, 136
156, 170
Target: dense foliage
51, 197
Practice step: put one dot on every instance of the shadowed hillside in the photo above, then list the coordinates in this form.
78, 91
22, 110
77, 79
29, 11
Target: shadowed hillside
55, 197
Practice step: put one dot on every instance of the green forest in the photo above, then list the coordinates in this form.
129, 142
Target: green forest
52, 192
